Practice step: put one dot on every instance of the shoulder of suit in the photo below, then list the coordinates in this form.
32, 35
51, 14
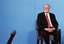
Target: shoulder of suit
52, 14
41, 13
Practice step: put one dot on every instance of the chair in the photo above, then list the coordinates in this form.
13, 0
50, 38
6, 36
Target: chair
11, 37
39, 37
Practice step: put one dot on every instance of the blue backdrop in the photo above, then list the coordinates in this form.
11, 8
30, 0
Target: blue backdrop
21, 15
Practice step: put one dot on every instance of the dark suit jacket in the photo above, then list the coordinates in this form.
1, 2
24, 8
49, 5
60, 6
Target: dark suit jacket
42, 22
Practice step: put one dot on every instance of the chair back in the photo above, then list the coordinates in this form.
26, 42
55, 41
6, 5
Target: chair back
11, 36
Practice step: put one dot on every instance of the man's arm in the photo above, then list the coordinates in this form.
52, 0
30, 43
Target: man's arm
39, 22
55, 23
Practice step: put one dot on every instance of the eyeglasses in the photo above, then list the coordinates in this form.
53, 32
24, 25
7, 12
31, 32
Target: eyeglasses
46, 8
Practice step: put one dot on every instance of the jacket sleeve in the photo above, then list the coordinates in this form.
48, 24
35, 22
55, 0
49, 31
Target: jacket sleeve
55, 22
39, 22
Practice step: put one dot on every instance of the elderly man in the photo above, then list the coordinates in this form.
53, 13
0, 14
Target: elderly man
47, 22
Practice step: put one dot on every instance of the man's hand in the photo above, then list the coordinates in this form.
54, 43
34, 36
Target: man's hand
50, 29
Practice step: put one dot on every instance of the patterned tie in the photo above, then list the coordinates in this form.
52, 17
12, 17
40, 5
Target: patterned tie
48, 21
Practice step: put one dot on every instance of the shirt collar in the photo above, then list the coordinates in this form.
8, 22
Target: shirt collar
46, 13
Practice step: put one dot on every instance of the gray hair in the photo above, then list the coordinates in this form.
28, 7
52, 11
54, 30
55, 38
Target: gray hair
46, 4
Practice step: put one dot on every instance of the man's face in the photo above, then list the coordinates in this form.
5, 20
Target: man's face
46, 8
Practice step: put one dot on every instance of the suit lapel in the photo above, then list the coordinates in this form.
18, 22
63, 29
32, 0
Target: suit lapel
50, 17
44, 18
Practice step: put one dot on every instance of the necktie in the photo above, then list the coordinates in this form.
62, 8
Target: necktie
48, 21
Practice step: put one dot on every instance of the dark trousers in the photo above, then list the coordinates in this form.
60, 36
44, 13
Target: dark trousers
54, 33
